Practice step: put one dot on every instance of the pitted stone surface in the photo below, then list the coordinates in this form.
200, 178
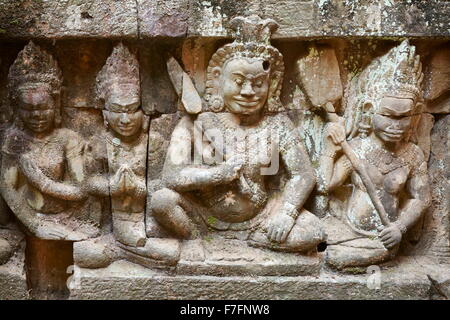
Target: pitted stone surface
123, 280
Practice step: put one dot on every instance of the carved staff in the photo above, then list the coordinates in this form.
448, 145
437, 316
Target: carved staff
320, 80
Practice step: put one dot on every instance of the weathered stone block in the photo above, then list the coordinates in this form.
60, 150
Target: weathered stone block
68, 18
123, 280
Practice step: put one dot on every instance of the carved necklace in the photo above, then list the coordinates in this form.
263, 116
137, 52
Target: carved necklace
116, 142
387, 161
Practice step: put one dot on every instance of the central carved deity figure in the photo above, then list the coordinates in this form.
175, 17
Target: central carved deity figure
226, 181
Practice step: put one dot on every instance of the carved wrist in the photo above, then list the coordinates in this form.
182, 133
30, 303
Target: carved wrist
329, 153
291, 211
403, 229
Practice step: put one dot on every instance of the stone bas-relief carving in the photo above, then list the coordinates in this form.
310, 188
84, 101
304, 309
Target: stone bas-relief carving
230, 196
122, 150
388, 171
123, 146
220, 187
42, 164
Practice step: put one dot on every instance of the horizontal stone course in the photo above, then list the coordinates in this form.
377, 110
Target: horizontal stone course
124, 280
194, 18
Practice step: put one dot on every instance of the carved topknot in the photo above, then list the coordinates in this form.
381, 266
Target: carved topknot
32, 67
253, 29
252, 41
398, 73
122, 67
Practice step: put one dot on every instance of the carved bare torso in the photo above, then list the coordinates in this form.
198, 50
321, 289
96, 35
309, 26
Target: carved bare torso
389, 174
133, 156
50, 155
240, 200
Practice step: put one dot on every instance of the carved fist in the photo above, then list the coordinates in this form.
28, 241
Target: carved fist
27, 165
391, 236
233, 167
279, 227
334, 135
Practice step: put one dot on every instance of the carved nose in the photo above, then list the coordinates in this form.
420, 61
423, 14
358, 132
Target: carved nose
124, 118
37, 115
396, 125
247, 90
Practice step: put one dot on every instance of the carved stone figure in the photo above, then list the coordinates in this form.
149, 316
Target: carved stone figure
42, 164
123, 147
9, 237
122, 153
388, 171
228, 191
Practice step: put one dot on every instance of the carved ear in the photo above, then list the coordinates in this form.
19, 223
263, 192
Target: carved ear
216, 72
146, 123
105, 120
57, 100
58, 118
365, 124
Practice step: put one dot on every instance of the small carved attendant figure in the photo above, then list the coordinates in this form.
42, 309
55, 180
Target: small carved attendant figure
123, 147
42, 165
243, 86
383, 105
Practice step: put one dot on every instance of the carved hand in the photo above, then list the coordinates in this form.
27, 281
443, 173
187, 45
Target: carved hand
117, 183
279, 227
391, 236
232, 168
27, 165
130, 181
334, 135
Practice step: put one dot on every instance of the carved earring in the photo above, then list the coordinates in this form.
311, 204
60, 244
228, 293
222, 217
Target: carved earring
365, 123
19, 123
217, 103
105, 121
58, 119
146, 123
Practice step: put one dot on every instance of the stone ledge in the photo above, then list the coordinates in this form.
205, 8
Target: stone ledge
68, 19
124, 280
199, 18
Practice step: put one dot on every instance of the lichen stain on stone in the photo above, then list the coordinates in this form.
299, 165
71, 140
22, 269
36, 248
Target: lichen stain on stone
212, 20
73, 21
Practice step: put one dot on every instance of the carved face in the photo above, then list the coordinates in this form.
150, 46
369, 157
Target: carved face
393, 119
37, 109
244, 85
122, 110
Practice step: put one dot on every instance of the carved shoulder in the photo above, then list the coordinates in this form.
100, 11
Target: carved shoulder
73, 142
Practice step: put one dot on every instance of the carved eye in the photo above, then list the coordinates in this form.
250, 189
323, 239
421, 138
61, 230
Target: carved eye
238, 81
258, 83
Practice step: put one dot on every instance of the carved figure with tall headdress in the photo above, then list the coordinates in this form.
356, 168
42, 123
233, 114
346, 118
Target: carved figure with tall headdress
383, 105
245, 135
123, 146
42, 164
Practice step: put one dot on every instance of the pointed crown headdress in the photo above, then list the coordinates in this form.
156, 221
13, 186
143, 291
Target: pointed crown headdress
121, 67
34, 67
252, 41
398, 73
